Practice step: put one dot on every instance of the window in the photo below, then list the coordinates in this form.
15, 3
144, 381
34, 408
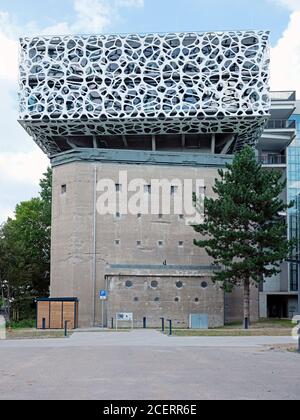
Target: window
139, 216
63, 189
117, 242
181, 217
157, 299
160, 244
160, 216
204, 285
177, 299
147, 189
118, 187
118, 215
180, 244
139, 243
179, 285
196, 300
174, 189
154, 284
136, 299
128, 284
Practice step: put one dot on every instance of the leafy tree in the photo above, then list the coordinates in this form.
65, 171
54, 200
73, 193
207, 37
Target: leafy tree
244, 230
25, 250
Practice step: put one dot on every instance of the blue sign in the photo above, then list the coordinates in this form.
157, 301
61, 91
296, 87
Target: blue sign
103, 294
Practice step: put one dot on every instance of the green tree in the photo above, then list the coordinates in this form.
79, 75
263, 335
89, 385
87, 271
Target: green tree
25, 250
244, 229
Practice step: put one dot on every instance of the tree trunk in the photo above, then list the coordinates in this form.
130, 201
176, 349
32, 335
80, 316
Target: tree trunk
247, 304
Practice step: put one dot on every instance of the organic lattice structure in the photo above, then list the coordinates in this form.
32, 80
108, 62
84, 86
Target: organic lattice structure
144, 84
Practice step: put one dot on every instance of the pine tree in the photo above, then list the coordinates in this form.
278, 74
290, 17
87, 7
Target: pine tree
244, 228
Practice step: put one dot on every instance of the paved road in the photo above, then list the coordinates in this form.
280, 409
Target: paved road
147, 365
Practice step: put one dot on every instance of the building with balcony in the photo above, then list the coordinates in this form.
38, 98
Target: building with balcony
279, 149
122, 108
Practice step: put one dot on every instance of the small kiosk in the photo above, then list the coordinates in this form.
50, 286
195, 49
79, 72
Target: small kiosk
52, 313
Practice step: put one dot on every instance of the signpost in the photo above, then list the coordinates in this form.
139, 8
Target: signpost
103, 297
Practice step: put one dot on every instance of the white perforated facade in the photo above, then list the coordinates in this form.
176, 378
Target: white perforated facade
173, 83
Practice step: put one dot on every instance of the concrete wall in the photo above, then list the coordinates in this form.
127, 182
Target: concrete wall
72, 263
172, 297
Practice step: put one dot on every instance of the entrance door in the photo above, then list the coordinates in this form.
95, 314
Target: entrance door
199, 321
277, 307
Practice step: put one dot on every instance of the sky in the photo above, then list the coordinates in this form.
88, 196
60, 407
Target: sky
22, 163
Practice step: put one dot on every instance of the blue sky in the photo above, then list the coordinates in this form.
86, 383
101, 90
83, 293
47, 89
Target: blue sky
164, 15
21, 162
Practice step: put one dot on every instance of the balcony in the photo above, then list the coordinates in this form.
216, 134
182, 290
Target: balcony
281, 125
283, 105
273, 159
283, 96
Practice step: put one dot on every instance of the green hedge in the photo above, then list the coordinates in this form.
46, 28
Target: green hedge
27, 323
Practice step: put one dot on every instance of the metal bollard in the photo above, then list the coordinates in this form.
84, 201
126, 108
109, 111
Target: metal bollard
170, 327
44, 324
66, 328
144, 322
162, 325
112, 323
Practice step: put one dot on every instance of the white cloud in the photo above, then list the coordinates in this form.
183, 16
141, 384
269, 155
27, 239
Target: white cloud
9, 48
288, 4
19, 176
92, 16
22, 168
285, 56
131, 3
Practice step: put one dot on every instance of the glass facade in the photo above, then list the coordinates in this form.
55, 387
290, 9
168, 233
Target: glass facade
294, 195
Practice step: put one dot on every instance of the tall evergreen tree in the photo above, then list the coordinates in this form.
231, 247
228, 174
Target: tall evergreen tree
244, 227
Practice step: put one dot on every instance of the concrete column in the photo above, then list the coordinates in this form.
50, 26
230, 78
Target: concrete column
153, 143
213, 144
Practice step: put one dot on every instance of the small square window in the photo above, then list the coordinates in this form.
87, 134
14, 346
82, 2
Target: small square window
180, 244
118, 215
64, 189
139, 243
118, 187
174, 189
181, 217
147, 189
160, 243
117, 242
139, 216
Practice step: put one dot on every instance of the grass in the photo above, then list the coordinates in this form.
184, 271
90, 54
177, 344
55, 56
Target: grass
263, 327
25, 334
232, 333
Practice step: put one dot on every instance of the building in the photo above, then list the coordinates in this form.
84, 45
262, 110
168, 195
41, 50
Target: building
170, 107
278, 296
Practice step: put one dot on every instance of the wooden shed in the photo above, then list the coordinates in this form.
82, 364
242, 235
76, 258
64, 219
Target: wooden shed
51, 313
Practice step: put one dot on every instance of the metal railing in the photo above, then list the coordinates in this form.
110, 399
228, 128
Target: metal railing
283, 95
273, 159
280, 124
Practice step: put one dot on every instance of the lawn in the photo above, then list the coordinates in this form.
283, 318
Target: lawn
264, 327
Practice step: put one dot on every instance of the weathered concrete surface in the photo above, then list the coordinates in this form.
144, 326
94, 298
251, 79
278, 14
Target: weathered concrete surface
165, 299
73, 244
139, 366
73, 239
